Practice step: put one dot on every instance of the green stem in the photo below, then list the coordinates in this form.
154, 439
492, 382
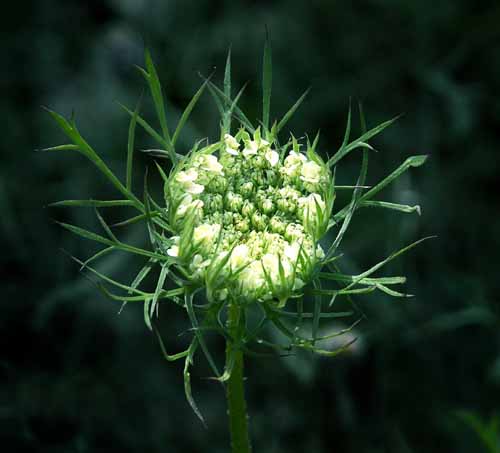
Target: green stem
235, 391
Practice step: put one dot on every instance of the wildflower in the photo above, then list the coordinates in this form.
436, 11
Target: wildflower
272, 157
251, 148
188, 203
205, 234
239, 256
173, 251
310, 172
243, 225
250, 223
232, 145
210, 163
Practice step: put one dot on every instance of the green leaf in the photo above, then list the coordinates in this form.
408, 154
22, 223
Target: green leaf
147, 207
187, 380
92, 203
487, 432
335, 292
154, 215
156, 94
216, 97
187, 112
143, 123
360, 141
350, 187
413, 161
337, 314
365, 281
119, 246
347, 133
71, 131
377, 266
317, 310
131, 220
188, 299
170, 294
390, 291
340, 332
229, 113
147, 318
393, 206
356, 196
290, 112
335, 352
106, 227
108, 279
229, 365
227, 76
68, 147
162, 173
218, 93
96, 256
142, 274
168, 357
159, 289
267, 77
130, 147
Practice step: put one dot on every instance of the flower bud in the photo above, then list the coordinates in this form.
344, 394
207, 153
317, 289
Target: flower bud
294, 232
311, 172
259, 221
218, 185
242, 225
246, 189
267, 206
239, 256
232, 145
204, 235
277, 225
209, 163
234, 202
247, 209
227, 218
259, 162
214, 202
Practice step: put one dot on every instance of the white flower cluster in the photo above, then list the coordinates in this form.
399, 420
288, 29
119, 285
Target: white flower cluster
250, 216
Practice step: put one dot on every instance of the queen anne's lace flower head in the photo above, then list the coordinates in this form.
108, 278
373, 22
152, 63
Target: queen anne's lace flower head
243, 220
251, 213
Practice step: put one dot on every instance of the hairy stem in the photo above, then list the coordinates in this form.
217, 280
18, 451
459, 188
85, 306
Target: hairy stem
235, 391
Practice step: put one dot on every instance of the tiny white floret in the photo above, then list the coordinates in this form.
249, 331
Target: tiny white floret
251, 148
194, 188
173, 251
272, 157
210, 163
187, 176
310, 172
239, 256
231, 142
205, 233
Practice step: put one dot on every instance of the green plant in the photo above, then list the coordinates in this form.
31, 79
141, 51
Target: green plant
243, 227
488, 431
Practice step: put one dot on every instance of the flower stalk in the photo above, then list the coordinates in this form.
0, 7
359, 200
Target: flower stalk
248, 222
235, 387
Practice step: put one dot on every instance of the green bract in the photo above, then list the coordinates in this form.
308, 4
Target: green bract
247, 220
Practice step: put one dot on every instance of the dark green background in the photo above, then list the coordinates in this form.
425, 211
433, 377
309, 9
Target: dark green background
77, 377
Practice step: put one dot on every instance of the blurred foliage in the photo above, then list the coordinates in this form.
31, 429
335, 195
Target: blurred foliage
488, 431
78, 377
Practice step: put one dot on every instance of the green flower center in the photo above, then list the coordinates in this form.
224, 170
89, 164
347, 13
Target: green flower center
251, 214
